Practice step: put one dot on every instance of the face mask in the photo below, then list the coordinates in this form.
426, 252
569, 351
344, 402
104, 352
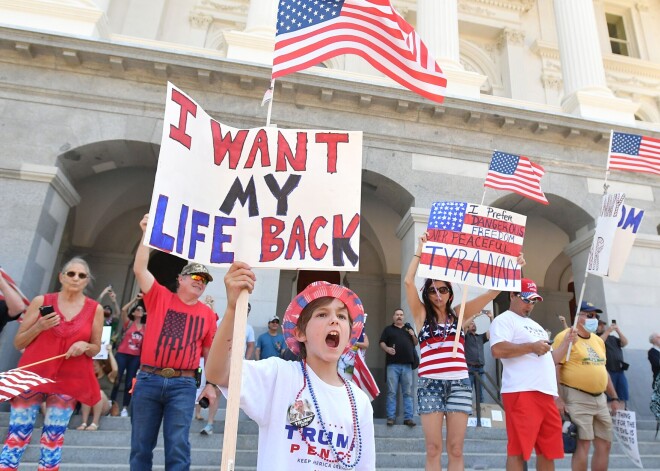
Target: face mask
591, 325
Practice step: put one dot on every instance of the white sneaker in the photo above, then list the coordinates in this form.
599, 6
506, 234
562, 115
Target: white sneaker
124, 412
207, 430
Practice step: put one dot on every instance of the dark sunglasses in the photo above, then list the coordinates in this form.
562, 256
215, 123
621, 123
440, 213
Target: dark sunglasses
72, 274
528, 301
439, 289
589, 315
201, 278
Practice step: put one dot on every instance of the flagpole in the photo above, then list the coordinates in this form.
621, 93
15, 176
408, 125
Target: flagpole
607, 167
577, 310
459, 324
270, 103
483, 197
42, 361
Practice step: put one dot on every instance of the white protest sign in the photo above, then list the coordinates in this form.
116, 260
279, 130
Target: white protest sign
625, 430
624, 238
105, 341
287, 199
473, 244
601, 247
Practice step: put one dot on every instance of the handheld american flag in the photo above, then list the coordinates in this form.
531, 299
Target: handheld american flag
311, 31
364, 379
516, 173
634, 153
12, 283
17, 381
473, 244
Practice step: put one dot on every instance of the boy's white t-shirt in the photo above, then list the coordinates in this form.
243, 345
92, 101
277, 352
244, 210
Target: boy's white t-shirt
270, 386
528, 372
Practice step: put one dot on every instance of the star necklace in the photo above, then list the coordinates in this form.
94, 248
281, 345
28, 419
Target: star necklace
356, 423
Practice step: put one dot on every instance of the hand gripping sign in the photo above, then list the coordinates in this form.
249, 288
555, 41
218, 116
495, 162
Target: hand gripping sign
287, 199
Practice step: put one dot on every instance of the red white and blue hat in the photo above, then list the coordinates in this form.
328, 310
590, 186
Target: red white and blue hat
321, 289
528, 289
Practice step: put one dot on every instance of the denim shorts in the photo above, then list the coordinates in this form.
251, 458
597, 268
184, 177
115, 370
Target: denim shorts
444, 395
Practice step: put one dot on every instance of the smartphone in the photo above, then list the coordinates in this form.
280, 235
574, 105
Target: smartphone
613, 322
45, 310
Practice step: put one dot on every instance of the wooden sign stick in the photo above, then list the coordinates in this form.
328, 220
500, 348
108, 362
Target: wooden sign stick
459, 325
234, 389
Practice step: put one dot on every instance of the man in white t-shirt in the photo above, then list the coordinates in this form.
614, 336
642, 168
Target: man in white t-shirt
529, 383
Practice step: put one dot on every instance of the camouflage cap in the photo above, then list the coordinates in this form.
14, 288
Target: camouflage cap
195, 268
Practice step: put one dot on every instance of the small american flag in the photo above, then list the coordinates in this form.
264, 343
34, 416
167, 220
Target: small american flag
516, 173
364, 379
17, 381
634, 153
312, 31
12, 283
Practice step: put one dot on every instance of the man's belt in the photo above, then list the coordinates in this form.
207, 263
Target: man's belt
168, 372
581, 390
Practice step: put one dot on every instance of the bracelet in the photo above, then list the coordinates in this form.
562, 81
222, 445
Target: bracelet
213, 384
418, 256
613, 399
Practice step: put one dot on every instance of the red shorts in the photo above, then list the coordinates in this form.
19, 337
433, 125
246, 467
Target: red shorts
533, 422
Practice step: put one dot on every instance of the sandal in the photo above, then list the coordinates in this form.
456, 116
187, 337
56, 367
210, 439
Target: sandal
92, 427
82, 426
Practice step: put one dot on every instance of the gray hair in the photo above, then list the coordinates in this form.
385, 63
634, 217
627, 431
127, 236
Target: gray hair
652, 336
79, 261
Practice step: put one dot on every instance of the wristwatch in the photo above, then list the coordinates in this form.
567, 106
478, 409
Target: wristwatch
612, 399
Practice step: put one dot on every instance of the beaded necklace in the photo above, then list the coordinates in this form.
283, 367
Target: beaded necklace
356, 423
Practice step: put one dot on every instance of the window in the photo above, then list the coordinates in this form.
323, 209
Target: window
617, 33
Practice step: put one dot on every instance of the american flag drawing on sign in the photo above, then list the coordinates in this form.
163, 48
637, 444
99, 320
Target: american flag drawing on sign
473, 244
312, 31
516, 173
634, 153
15, 382
364, 379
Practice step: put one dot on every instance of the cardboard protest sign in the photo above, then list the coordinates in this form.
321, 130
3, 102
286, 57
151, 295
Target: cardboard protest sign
473, 244
287, 199
105, 341
614, 236
625, 430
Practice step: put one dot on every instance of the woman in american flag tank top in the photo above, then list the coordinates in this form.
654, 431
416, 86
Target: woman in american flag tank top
443, 388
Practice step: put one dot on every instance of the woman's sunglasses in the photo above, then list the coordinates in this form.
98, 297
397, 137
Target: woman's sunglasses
438, 290
72, 274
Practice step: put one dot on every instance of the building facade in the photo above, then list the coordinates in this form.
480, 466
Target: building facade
82, 93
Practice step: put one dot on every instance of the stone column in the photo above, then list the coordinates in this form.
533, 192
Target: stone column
512, 50
585, 86
257, 41
437, 25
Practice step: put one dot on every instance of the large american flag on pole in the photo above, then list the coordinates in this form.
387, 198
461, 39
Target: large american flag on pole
474, 245
17, 381
516, 173
312, 31
634, 153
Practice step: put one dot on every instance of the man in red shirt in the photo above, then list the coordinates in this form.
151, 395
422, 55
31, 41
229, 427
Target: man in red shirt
179, 332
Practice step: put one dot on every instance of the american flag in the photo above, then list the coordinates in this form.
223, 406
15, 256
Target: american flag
12, 283
17, 381
516, 173
312, 31
364, 379
473, 244
634, 153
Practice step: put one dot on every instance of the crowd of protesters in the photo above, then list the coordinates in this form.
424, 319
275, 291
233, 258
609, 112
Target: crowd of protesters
159, 372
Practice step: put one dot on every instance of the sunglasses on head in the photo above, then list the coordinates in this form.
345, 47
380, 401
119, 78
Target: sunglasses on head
201, 278
72, 274
527, 301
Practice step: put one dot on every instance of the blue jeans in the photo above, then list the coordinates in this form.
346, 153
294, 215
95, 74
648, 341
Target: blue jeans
167, 400
620, 384
399, 374
474, 370
130, 364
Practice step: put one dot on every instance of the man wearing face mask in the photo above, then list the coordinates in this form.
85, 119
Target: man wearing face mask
583, 380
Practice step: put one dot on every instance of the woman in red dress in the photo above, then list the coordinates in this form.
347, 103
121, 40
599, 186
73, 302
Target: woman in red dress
70, 323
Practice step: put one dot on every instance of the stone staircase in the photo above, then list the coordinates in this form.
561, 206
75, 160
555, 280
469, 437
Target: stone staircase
398, 447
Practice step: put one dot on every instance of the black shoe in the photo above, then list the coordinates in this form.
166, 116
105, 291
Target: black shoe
409, 423
390, 422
